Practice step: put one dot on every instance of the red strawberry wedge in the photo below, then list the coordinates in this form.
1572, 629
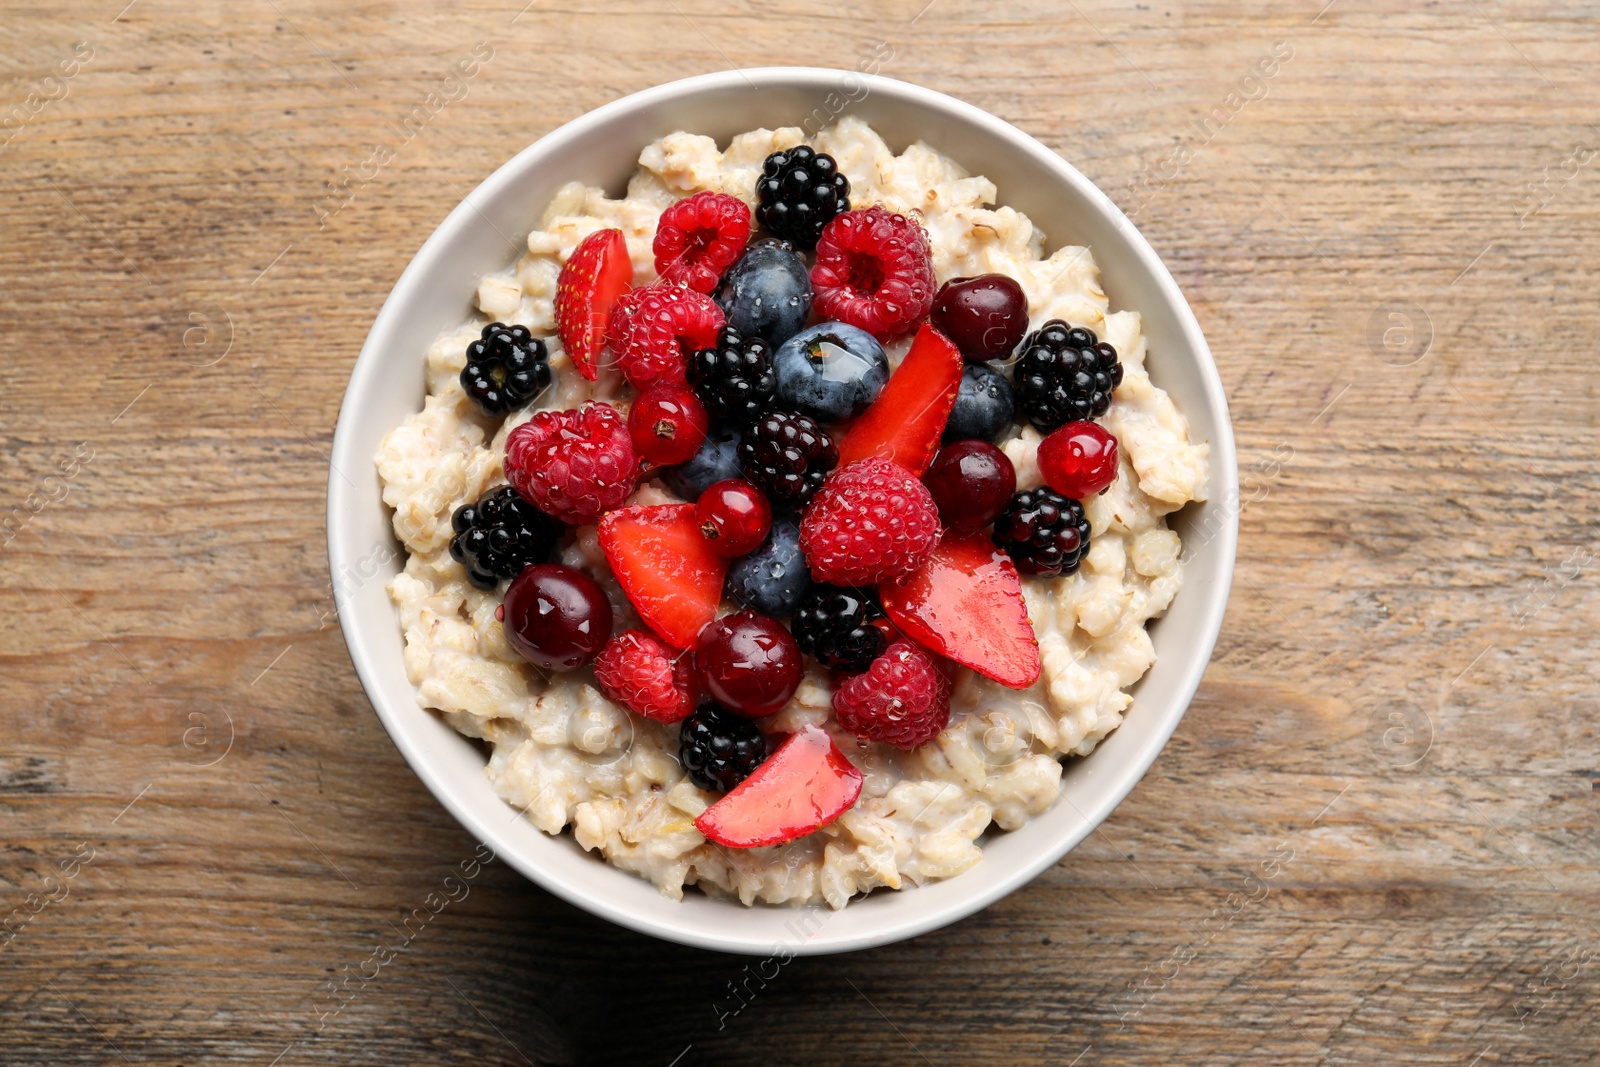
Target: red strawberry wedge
802, 787
667, 568
598, 272
966, 603
904, 423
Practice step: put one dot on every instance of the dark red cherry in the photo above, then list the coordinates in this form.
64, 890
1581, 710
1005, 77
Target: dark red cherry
971, 482
557, 617
734, 517
985, 316
748, 663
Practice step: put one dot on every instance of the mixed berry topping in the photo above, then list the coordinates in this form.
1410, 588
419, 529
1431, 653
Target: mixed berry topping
699, 238
835, 625
887, 550
788, 455
575, 464
874, 270
1065, 373
1045, 533
506, 368
734, 377
799, 192
498, 535
719, 749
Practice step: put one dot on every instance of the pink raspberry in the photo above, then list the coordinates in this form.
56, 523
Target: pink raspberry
875, 271
645, 676
699, 238
575, 465
870, 521
654, 330
903, 699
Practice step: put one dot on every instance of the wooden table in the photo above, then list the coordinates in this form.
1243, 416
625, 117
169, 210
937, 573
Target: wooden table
1372, 839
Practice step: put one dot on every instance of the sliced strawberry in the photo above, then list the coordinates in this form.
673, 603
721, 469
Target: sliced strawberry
598, 272
966, 603
667, 568
802, 787
905, 422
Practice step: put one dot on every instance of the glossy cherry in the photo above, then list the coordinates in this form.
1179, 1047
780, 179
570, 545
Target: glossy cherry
557, 617
971, 482
667, 424
734, 517
748, 663
1079, 459
985, 316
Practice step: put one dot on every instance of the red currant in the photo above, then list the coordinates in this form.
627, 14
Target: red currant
734, 516
985, 316
668, 424
971, 482
748, 663
1079, 460
556, 617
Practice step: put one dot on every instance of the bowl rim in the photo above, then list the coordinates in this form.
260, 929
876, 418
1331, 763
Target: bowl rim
1223, 481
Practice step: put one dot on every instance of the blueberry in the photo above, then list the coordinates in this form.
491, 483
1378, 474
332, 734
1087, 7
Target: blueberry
831, 372
717, 460
984, 405
767, 293
773, 578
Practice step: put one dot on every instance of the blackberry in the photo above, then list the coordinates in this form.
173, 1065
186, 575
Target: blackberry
499, 535
788, 455
718, 748
1065, 373
1045, 533
735, 379
834, 624
506, 367
799, 192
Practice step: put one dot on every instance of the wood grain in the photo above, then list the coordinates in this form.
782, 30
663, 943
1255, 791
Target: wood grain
1373, 839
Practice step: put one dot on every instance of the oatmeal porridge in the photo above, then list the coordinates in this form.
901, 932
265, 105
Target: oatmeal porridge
828, 492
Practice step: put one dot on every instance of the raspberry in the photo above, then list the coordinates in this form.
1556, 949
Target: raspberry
872, 520
699, 238
874, 271
655, 329
902, 700
575, 464
646, 676
1045, 533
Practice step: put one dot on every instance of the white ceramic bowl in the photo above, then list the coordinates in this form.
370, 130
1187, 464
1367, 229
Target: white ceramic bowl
486, 232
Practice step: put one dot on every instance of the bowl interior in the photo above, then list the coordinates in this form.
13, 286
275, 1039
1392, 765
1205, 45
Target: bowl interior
487, 231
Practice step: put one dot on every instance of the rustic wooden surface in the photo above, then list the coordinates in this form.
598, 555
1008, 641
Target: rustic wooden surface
1372, 839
